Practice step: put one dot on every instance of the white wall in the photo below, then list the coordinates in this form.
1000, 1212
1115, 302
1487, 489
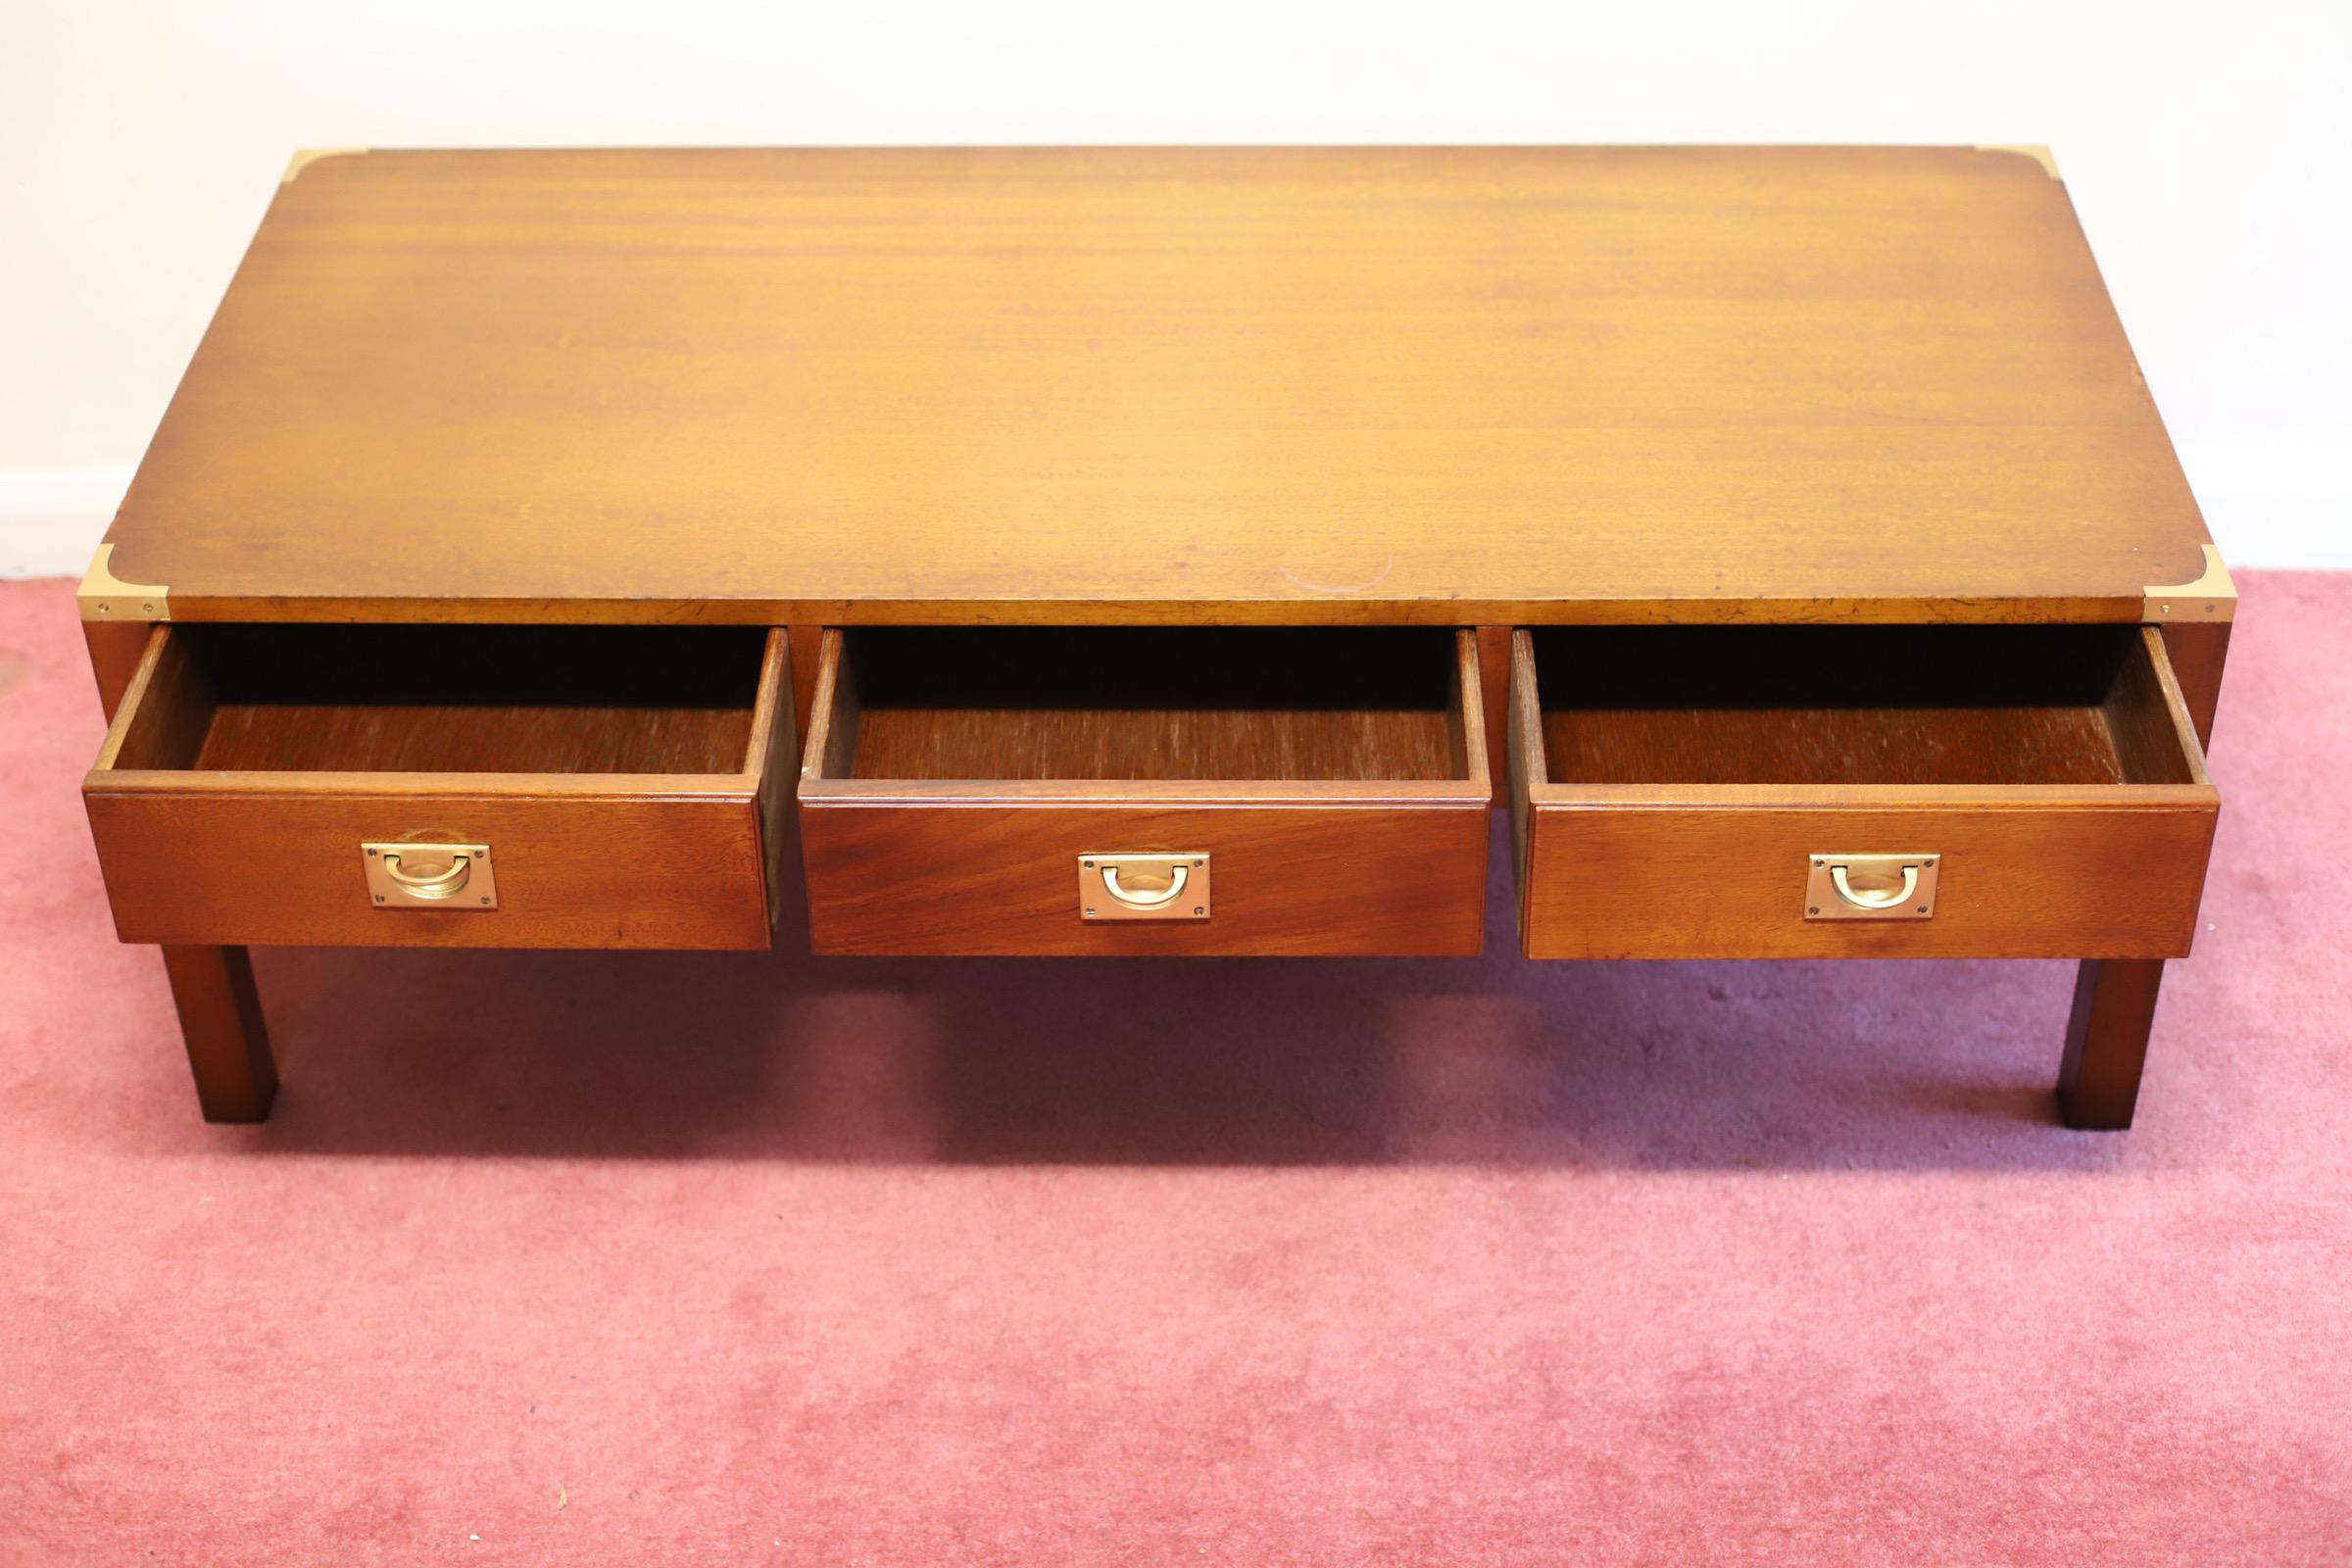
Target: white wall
2208, 148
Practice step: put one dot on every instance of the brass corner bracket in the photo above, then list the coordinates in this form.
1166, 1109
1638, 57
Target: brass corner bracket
107, 597
2211, 596
2040, 154
305, 157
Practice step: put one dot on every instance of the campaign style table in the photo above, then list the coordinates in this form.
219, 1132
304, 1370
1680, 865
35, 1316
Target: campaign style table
1163, 552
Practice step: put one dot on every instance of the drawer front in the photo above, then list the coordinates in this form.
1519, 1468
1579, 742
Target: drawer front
1725, 870
914, 878
200, 855
286, 869
1619, 880
1325, 859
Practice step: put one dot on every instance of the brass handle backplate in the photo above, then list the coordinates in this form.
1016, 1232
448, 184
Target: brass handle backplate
1871, 887
1143, 886
406, 875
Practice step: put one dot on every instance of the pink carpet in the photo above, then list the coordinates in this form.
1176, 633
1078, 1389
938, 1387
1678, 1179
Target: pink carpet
565, 1258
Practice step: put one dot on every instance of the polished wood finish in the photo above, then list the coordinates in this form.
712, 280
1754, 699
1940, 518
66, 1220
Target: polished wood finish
1463, 386
1342, 795
1495, 674
221, 1022
212, 990
2055, 774
1622, 395
2107, 1043
805, 643
2197, 652
200, 845
2115, 1000
115, 648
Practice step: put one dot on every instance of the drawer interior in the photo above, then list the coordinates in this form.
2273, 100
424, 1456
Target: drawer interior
319, 699
1146, 703
1859, 705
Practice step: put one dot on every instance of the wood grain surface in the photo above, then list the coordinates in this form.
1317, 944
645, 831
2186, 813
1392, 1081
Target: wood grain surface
2107, 1042
115, 649
201, 855
1459, 386
220, 1023
1667, 868
1334, 863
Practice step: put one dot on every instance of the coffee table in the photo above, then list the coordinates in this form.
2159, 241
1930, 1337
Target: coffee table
1163, 552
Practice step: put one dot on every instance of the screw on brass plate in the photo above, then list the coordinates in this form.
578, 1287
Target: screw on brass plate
1198, 910
1816, 909
379, 897
1090, 865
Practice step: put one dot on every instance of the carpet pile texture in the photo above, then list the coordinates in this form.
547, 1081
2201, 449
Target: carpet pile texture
593, 1260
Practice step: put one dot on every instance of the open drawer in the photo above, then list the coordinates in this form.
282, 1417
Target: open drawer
1855, 792
1145, 790
446, 786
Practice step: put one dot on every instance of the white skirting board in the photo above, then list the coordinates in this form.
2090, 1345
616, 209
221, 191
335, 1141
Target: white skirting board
2266, 506
52, 518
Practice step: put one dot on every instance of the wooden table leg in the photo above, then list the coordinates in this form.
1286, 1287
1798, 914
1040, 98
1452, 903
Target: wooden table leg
2115, 999
221, 1018
2107, 1042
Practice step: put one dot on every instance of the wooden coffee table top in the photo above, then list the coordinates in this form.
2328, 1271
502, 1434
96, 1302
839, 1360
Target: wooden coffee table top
1472, 385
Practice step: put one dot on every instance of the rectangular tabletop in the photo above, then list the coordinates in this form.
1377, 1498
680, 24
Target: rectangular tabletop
1298, 386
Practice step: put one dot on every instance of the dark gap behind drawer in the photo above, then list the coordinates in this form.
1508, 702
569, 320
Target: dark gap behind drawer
1154, 703
468, 699
1852, 705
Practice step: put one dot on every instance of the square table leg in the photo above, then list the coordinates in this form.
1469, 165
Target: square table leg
221, 1019
2107, 1042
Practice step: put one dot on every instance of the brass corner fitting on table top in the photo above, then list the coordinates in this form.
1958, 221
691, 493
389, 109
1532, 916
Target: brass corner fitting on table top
107, 597
305, 157
2210, 596
2040, 154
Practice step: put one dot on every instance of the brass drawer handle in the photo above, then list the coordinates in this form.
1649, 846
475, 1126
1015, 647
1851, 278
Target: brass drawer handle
460, 879
1894, 887
1885, 897
441, 884
1128, 887
1144, 901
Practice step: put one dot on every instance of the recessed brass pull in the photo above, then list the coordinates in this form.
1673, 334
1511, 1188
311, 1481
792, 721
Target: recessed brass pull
1871, 887
445, 881
1880, 898
1143, 886
1145, 900
406, 875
